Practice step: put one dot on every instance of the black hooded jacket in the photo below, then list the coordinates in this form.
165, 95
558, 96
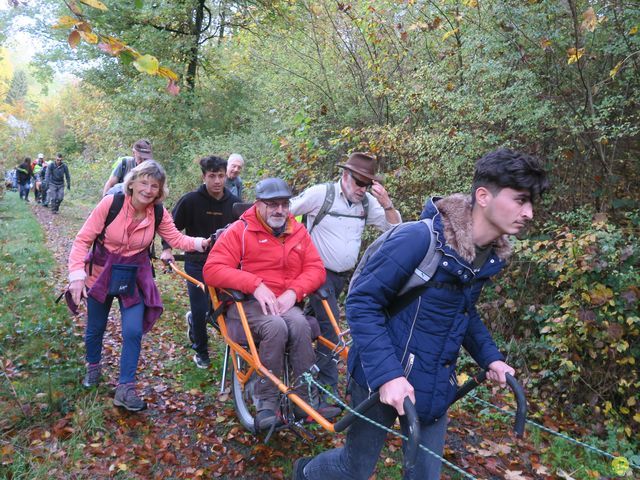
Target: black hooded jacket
200, 215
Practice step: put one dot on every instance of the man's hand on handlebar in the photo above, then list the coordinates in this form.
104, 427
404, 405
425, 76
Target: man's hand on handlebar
394, 392
167, 256
497, 371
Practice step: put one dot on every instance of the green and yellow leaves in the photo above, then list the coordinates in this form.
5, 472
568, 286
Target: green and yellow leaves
95, 4
81, 30
147, 64
574, 54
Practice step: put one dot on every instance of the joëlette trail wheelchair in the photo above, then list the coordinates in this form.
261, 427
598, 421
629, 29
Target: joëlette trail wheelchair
241, 351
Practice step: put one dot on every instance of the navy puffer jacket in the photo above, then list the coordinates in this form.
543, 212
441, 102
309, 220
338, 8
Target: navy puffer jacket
423, 340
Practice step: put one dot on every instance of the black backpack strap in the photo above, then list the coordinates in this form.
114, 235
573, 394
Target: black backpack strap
329, 196
123, 167
114, 209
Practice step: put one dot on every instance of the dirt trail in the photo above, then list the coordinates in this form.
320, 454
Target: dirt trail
185, 433
191, 432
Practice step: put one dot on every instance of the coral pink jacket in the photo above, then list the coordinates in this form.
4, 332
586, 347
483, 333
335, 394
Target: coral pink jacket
246, 255
118, 240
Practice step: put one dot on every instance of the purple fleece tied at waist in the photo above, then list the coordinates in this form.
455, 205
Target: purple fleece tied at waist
144, 281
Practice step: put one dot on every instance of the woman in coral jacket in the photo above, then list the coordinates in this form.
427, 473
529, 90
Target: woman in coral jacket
119, 266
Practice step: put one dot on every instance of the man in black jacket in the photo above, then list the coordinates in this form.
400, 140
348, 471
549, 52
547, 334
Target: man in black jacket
24, 173
56, 174
200, 213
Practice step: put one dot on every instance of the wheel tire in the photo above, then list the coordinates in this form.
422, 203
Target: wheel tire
243, 397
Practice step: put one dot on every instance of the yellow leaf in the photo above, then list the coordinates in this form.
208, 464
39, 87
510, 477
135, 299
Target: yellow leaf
65, 22
89, 37
636, 418
168, 73
620, 466
614, 70
471, 3
95, 4
462, 378
590, 20
574, 55
147, 64
545, 43
74, 39
123, 467
633, 30
449, 33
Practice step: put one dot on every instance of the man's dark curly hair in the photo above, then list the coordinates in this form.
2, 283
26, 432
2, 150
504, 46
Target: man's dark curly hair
212, 163
504, 168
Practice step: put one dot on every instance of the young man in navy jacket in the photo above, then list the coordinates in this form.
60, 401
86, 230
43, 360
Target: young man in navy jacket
414, 352
200, 213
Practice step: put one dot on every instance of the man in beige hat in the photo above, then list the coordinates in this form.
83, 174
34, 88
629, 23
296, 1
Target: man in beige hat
141, 151
336, 216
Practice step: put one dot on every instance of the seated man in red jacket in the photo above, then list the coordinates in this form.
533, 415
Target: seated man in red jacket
268, 255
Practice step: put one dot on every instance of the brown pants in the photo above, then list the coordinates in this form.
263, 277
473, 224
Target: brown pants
275, 334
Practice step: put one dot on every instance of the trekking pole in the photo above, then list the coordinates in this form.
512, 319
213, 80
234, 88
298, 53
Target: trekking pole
413, 428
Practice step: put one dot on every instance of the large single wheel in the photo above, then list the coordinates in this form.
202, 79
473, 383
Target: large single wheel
243, 396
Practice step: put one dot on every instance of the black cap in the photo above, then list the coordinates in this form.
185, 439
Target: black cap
271, 188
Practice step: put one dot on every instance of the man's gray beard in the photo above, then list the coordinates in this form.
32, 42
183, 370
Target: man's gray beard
271, 222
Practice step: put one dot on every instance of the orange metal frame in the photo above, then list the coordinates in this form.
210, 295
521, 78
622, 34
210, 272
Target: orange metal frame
251, 356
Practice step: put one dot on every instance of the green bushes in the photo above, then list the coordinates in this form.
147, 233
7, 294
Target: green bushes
576, 293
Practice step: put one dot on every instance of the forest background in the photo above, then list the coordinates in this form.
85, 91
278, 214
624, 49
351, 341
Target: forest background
426, 86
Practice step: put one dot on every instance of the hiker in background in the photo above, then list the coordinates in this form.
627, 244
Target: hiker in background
201, 213
141, 151
38, 170
24, 174
44, 186
57, 172
337, 213
411, 351
120, 267
235, 164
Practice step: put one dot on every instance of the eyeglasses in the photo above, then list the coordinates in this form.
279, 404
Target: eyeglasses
359, 182
274, 204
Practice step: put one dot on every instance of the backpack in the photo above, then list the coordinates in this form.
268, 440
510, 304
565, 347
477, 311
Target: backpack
329, 197
123, 168
418, 282
114, 209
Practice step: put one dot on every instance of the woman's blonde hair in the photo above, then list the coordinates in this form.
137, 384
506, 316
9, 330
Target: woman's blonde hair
148, 168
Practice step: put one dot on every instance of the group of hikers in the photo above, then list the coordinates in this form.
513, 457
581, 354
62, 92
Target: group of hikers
404, 345
45, 178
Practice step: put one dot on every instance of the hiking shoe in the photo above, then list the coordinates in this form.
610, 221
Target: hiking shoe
298, 468
265, 419
327, 411
201, 361
189, 318
127, 397
93, 375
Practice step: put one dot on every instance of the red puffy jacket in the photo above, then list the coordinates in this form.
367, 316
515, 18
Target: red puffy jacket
246, 255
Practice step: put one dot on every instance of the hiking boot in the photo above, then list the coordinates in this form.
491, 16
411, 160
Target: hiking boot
327, 411
189, 318
265, 419
93, 375
127, 397
298, 468
202, 361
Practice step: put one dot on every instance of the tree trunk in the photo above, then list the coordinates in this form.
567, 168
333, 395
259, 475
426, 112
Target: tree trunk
196, 31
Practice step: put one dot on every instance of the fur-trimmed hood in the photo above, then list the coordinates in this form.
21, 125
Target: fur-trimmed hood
456, 218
